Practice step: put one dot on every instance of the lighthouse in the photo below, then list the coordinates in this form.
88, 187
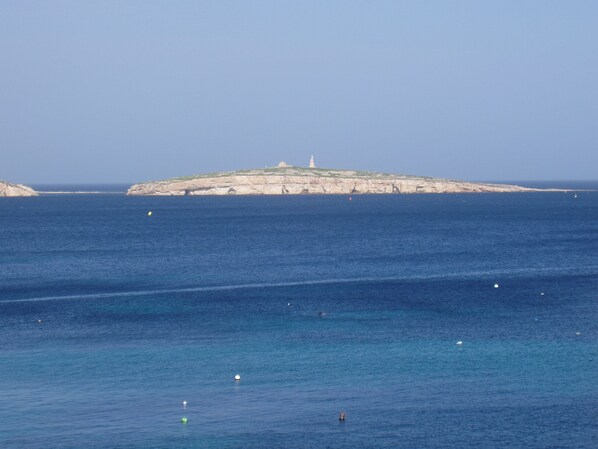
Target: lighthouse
312, 164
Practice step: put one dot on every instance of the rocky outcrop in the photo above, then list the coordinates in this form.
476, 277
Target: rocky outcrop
302, 181
7, 189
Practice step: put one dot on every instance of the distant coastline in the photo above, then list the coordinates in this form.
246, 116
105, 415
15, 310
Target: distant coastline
76, 192
565, 185
81, 189
122, 189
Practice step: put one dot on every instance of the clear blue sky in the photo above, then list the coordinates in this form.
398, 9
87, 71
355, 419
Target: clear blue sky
124, 91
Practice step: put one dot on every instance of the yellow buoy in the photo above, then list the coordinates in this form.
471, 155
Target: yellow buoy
149, 214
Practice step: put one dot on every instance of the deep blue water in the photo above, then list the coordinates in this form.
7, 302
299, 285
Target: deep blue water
142, 312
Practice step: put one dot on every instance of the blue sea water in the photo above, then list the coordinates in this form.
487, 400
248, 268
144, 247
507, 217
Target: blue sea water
321, 304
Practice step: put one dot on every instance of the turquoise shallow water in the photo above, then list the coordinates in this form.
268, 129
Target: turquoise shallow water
320, 304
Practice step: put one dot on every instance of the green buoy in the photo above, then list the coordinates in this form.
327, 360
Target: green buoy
184, 420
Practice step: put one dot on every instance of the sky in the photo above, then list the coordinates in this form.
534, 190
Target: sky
129, 91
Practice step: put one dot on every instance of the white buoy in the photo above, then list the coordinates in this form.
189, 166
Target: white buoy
237, 377
542, 294
149, 214
496, 285
184, 403
459, 343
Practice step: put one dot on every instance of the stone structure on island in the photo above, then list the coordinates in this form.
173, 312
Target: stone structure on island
285, 179
8, 189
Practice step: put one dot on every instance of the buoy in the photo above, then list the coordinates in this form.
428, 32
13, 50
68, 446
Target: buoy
184, 403
496, 285
459, 343
289, 304
342, 416
39, 321
237, 377
577, 333
542, 294
149, 214
350, 199
184, 420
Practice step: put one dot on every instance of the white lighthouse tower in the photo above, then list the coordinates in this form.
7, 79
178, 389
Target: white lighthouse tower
312, 164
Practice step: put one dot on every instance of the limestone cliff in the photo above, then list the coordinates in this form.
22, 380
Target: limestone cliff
7, 189
285, 180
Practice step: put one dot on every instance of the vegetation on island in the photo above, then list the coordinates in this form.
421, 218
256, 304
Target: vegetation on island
300, 171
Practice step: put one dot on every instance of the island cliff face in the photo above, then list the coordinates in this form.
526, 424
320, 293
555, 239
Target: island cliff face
7, 189
286, 180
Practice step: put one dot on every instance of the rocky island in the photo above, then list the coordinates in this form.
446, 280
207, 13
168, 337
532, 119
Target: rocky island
289, 180
7, 189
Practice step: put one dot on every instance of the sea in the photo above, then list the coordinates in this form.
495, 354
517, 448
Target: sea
431, 321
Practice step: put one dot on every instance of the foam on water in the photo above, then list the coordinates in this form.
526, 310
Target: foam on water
578, 271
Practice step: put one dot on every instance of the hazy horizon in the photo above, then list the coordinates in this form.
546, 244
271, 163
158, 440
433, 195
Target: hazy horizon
124, 92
